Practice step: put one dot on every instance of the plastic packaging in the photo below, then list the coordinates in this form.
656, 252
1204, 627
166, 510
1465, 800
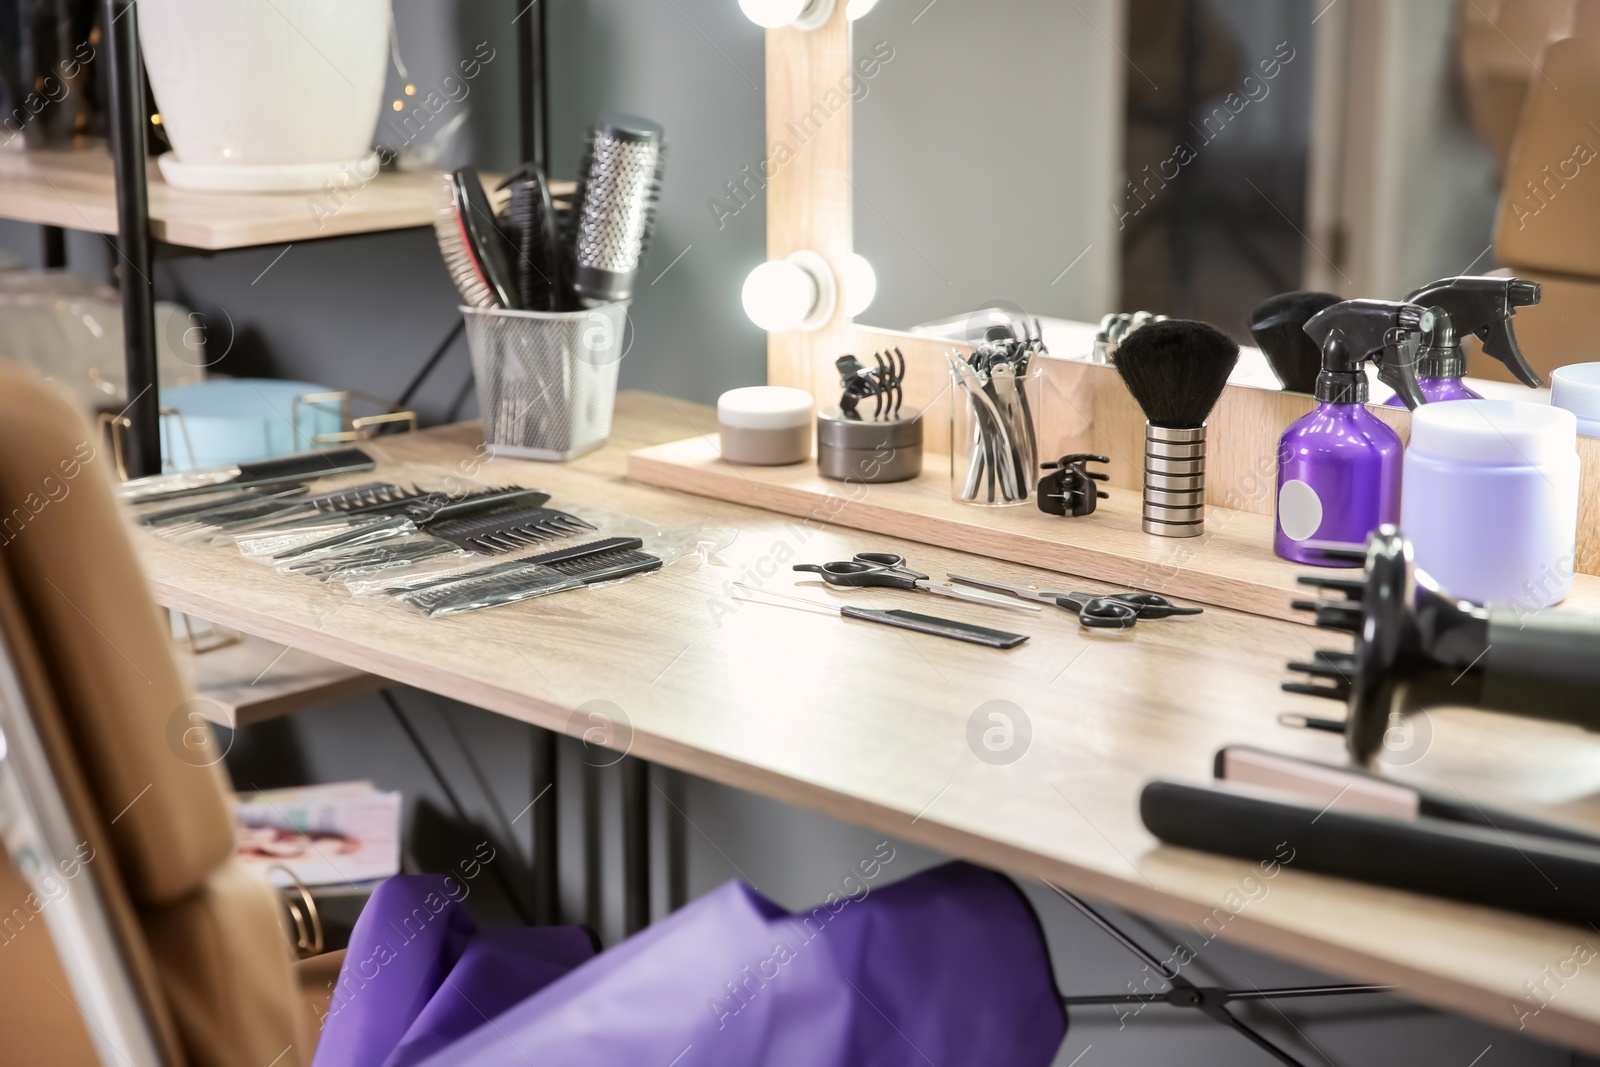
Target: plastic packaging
501, 585
384, 557
264, 544
403, 582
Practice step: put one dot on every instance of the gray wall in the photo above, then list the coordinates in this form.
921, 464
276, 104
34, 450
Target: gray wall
364, 312
987, 152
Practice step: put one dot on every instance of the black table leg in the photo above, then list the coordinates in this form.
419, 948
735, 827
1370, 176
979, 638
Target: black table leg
635, 844
546, 874
53, 247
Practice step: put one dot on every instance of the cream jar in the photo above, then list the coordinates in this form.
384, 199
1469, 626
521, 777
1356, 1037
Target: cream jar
765, 425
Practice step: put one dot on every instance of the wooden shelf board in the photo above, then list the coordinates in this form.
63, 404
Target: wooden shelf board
73, 188
256, 679
1231, 565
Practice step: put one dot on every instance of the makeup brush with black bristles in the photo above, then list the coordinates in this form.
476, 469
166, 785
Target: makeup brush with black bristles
1278, 326
1176, 371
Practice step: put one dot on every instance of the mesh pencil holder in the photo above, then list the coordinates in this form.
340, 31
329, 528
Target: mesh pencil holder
546, 381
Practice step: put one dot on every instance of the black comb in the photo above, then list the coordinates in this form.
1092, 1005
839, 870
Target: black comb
370, 496
559, 555
307, 466
607, 566
515, 582
279, 509
204, 509
438, 507
508, 530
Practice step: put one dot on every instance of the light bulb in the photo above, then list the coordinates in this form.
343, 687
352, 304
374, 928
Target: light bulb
778, 296
860, 284
775, 14
797, 293
856, 8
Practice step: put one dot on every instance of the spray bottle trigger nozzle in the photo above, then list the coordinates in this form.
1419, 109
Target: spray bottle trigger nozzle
1500, 343
1397, 367
1522, 293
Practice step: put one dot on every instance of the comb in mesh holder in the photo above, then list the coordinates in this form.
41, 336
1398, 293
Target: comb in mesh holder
508, 529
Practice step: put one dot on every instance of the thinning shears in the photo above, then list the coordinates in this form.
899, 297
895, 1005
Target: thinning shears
1100, 611
887, 570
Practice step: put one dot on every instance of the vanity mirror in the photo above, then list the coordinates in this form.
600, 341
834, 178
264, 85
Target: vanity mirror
928, 170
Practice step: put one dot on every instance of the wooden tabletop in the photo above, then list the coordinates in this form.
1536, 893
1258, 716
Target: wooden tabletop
875, 726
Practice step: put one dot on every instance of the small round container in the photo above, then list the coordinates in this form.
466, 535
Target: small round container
765, 425
869, 450
1489, 499
1576, 388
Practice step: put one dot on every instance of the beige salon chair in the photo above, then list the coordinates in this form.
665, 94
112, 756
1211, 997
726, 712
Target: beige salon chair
135, 938
1549, 212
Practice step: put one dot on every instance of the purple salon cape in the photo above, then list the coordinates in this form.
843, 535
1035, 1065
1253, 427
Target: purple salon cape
946, 967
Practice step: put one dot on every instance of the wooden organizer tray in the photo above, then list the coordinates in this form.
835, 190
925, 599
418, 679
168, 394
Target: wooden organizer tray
1232, 565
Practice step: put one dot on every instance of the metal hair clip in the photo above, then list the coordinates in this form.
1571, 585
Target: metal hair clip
1070, 490
883, 384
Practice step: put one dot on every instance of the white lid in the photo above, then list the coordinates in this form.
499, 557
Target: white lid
764, 407
1577, 388
1500, 432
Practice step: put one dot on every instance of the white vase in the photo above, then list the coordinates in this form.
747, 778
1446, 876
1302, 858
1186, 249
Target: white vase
266, 94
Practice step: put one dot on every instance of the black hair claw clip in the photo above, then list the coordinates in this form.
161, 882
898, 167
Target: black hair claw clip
884, 384
1070, 488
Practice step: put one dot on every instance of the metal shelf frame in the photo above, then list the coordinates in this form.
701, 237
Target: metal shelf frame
136, 251
128, 120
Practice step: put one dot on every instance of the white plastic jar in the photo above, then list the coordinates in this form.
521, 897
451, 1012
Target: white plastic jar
765, 425
1577, 388
1489, 499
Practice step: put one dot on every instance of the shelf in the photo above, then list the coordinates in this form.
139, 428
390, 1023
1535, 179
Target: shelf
255, 679
1232, 565
73, 188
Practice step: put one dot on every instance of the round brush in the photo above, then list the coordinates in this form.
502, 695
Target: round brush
1175, 371
616, 206
1278, 326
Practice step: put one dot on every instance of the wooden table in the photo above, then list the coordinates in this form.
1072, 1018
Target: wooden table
871, 725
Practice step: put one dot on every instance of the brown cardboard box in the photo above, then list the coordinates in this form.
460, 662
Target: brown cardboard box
1548, 226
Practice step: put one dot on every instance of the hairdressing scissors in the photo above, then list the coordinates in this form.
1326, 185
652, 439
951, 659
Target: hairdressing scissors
1100, 611
887, 570
1149, 605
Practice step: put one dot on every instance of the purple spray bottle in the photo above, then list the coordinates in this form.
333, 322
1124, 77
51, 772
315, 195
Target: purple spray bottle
1339, 467
1470, 304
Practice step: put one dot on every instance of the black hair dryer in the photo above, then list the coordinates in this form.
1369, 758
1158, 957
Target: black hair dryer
1419, 647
